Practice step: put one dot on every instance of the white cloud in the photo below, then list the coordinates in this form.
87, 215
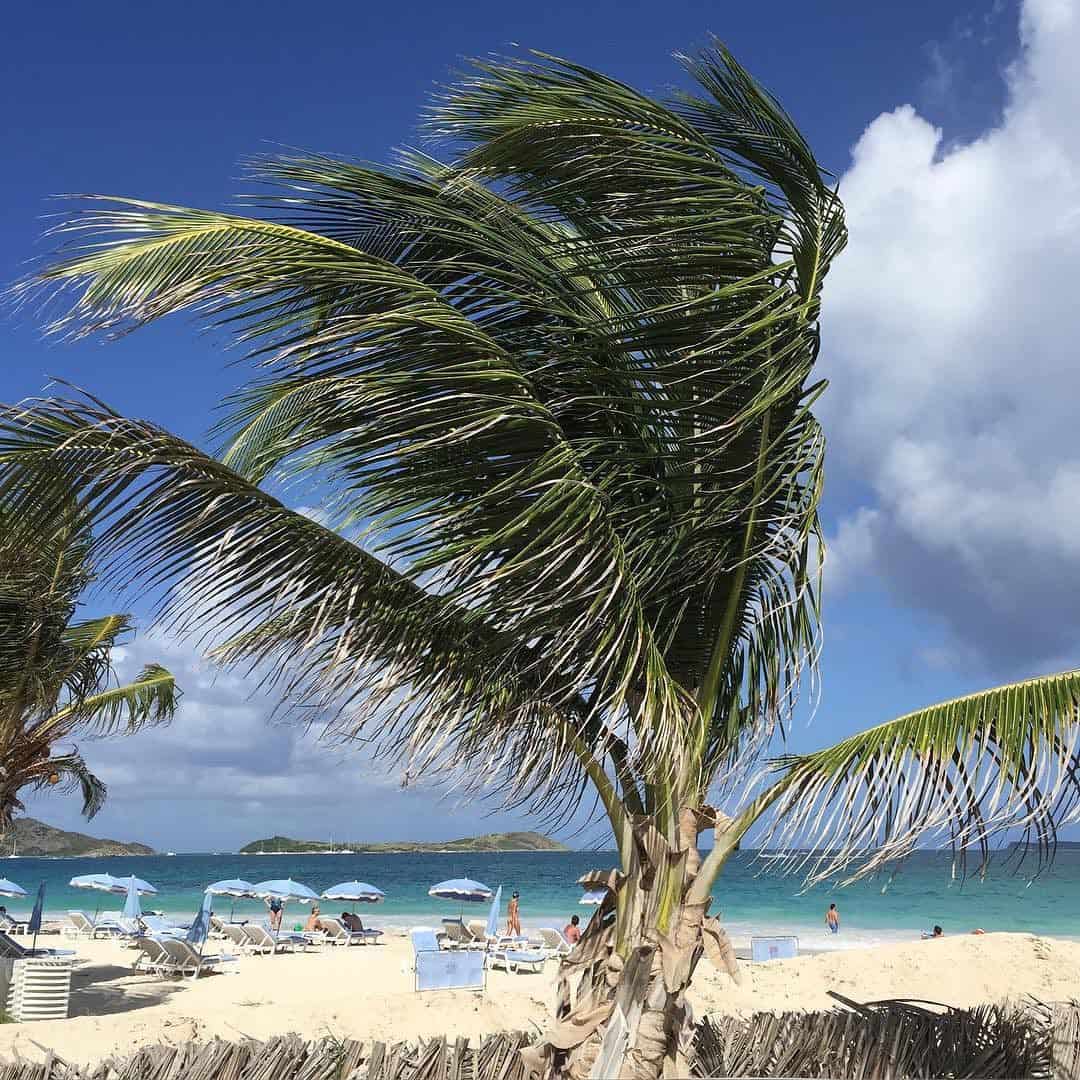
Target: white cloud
951, 329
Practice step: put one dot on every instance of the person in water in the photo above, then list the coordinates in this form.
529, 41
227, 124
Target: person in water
832, 919
572, 932
935, 933
513, 917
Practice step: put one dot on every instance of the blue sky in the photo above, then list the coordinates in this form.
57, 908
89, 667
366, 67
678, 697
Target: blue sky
948, 329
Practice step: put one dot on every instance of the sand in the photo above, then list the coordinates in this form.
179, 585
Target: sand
366, 992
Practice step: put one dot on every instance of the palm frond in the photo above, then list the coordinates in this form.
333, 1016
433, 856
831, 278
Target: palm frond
999, 762
151, 699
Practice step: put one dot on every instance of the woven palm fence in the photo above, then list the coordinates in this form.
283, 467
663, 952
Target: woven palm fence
879, 1042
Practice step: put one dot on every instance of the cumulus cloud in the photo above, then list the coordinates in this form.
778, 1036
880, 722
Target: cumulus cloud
225, 772
951, 331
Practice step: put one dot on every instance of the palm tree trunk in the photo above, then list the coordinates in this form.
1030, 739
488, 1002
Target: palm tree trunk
622, 1008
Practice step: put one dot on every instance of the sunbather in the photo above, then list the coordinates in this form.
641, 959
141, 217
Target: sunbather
351, 921
313, 923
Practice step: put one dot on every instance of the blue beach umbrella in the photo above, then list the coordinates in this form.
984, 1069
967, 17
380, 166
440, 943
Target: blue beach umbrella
234, 888
595, 897
355, 892
34, 925
200, 926
286, 889
9, 888
461, 889
492, 927
132, 908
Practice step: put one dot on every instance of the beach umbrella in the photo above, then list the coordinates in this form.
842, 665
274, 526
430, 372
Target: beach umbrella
110, 884
595, 897
34, 925
492, 927
9, 888
285, 889
132, 908
461, 889
232, 887
355, 892
200, 926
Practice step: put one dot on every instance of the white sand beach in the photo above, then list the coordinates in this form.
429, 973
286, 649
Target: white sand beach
366, 992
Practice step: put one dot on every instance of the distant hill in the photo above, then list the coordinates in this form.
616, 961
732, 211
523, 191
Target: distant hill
32, 837
511, 841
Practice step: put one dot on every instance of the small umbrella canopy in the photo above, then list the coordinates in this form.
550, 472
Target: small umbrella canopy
132, 908
492, 927
200, 926
286, 889
359, 892
231, 887
594, 897
461, 889
9, 888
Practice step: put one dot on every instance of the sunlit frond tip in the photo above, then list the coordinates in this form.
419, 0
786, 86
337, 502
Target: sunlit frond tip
1001, 764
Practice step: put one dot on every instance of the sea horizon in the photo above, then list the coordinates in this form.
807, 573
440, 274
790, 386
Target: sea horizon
888, 908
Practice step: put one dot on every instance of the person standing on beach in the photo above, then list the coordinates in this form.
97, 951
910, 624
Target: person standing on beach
276, 907
832, 919
513, 917
572, 931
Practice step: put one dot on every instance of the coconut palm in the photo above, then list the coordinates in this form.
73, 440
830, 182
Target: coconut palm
552, 396
56, 674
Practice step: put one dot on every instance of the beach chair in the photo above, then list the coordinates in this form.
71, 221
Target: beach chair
10, 949
80, 925
478, 929
553, 942
458, 936
151, 956
515, 960
39, 989
236, 934
264, 940
443, 969
763, 949
185, 959
337, 933
10, 925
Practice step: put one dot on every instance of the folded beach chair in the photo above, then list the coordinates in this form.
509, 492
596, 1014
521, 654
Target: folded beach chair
185, 959
515, 959
773, 948
443, 969
554, 943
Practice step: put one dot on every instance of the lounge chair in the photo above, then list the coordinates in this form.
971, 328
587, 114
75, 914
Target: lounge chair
553, 941
263, 940
185, 959
10, 925
478, 929
10, 949
236, 935
459, 936
81, 925
515, 959
443, 969
152, 955
337, 933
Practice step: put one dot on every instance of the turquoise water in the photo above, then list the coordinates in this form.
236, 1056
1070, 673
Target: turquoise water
920, 894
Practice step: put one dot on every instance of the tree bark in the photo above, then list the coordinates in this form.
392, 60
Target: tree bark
622, 1009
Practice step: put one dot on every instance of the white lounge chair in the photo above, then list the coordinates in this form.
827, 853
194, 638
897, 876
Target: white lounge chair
236, 935
10, 925
151, 955
185, 959
81, 925
553, 941
458, 936
269, 941
516, 959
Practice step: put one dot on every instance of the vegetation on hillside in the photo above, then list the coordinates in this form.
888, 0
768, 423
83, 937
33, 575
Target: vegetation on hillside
511, 841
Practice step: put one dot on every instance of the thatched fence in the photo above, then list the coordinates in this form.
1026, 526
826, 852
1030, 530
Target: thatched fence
886, 1041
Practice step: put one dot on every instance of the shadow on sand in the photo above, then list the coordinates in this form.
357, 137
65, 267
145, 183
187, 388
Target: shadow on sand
101, 989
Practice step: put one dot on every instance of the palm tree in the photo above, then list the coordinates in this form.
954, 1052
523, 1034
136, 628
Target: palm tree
553, 398
56, 675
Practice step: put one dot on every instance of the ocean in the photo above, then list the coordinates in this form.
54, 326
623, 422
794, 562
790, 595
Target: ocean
750, 901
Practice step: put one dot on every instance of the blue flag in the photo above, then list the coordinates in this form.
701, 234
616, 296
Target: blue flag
34, 925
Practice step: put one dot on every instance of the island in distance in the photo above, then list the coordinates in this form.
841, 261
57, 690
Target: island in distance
511, 841
30, 837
